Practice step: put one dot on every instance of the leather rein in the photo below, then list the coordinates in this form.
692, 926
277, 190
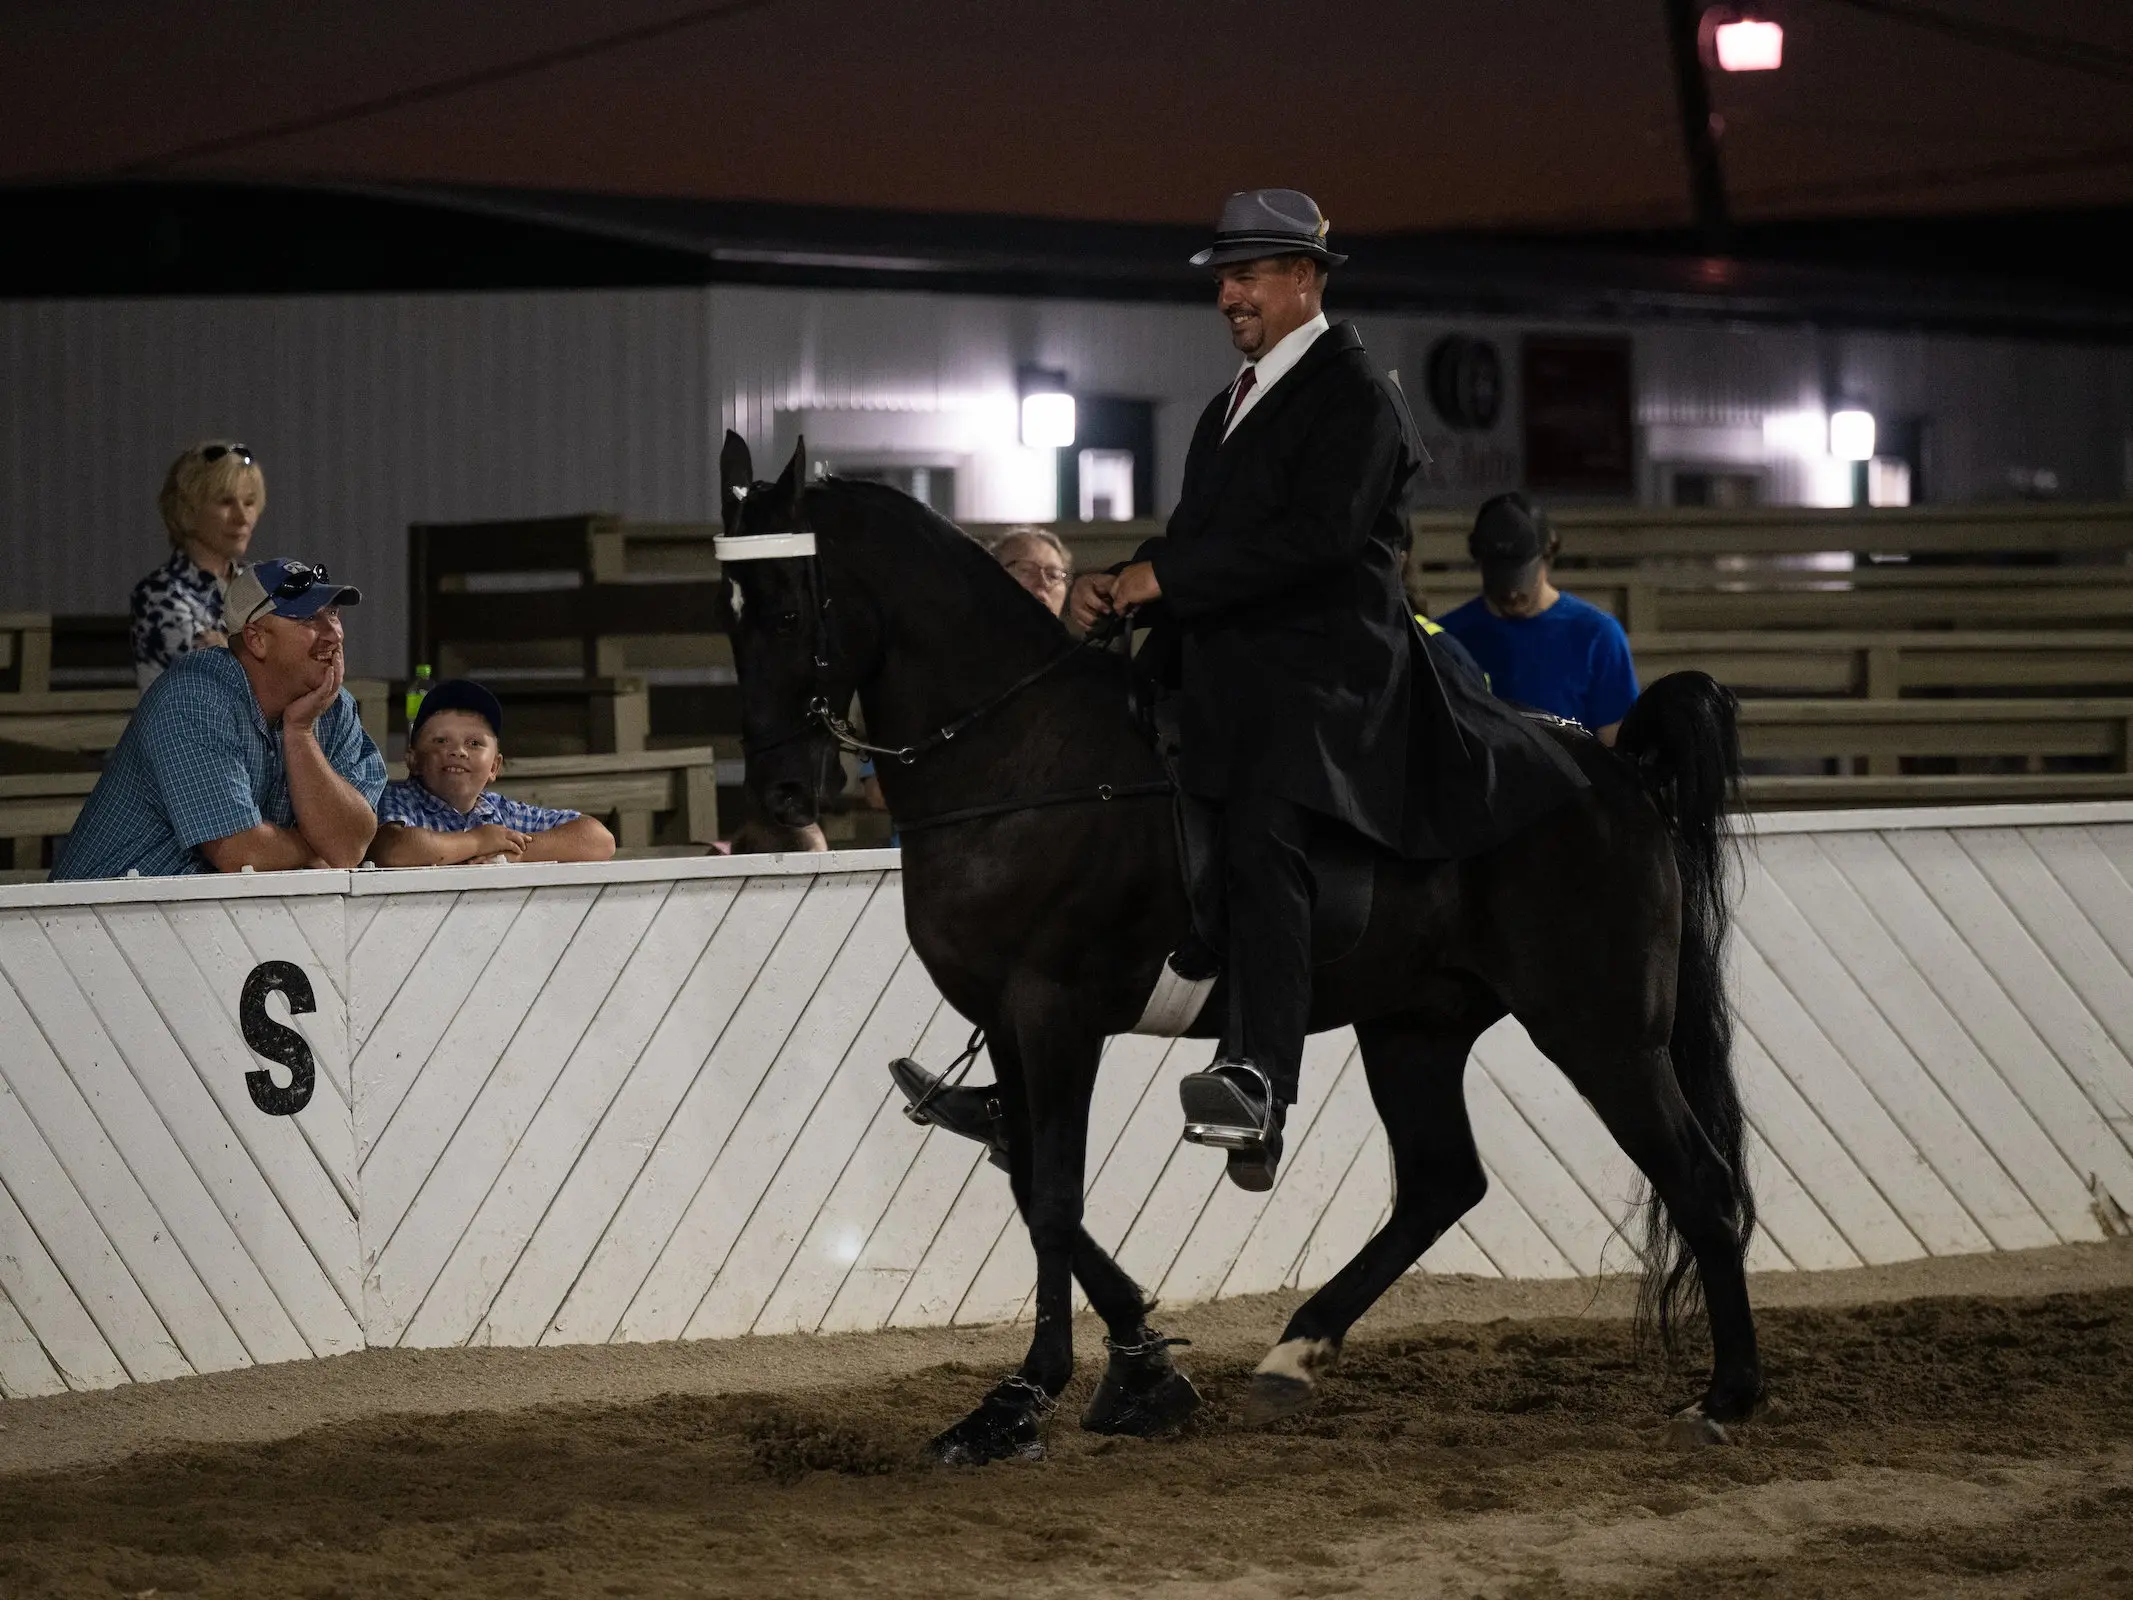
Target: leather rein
821, 716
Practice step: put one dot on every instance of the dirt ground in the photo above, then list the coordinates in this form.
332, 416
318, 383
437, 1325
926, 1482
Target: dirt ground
1957, 1427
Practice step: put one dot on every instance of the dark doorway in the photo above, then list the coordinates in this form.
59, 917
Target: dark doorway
1107, 422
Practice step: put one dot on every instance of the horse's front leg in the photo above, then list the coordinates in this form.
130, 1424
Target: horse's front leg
1047, 1063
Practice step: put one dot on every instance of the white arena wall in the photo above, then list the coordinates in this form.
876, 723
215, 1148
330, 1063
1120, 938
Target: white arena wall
646, 1100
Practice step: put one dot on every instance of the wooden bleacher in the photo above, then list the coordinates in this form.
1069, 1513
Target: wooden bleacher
650, 798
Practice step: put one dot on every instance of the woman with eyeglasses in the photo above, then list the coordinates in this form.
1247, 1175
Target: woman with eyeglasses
1036, 559
211, 500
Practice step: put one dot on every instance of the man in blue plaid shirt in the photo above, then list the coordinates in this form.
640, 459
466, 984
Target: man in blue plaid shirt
250, 755
444, 812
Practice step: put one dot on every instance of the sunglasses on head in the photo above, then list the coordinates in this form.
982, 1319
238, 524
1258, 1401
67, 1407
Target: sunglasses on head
297, 578
215, 452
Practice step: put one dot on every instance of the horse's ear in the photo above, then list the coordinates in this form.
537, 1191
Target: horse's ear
792, 482
736, 473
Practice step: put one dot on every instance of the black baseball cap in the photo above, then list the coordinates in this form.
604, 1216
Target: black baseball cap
459, 694
1510, 535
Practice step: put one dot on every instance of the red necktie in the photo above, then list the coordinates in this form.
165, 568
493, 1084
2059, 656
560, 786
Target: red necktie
1245, 380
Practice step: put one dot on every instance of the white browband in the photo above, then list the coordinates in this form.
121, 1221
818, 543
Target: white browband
762, 546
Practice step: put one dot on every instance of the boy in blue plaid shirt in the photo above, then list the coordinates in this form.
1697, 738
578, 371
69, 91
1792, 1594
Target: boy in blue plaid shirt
444, 812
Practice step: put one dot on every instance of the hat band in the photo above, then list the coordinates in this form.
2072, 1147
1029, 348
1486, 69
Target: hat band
762, 546
1292, 241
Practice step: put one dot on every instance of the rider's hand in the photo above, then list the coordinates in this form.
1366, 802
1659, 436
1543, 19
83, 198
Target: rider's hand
1135, 586
1090, 599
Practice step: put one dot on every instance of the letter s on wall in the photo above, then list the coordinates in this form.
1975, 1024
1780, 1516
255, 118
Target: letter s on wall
274, 1041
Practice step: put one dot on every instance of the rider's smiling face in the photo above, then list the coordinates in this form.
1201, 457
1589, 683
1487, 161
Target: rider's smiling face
1264, 301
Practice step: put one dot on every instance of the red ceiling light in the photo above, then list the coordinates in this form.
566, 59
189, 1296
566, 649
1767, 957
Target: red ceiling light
1735, 39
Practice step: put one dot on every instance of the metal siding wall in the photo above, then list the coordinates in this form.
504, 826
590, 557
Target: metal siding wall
368, 412
646, 1102
371, 412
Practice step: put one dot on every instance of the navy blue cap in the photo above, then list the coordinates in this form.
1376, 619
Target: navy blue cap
459, 694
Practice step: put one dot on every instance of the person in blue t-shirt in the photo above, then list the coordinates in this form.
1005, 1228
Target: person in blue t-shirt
1539, 646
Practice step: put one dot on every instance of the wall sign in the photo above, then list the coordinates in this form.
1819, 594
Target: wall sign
276, 1041
1578, 430
1466, 382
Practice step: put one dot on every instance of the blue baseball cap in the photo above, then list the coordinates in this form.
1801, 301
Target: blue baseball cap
459, 694
285, 587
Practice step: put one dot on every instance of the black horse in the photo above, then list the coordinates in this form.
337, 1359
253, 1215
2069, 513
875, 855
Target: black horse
1043, 893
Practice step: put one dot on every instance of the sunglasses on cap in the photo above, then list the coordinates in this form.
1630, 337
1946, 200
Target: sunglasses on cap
297, 578
215, 452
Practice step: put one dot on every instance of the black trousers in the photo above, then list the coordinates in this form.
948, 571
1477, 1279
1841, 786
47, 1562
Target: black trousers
1267, 893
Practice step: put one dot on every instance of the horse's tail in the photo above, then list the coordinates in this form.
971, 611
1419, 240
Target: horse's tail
1684, 737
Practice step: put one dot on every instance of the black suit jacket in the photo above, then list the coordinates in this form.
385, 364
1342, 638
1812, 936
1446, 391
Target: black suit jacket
1283, 622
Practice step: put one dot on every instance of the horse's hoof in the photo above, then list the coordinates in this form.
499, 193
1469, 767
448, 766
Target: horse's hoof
1140, 1404
1694, 1429
1287, 1380
1003, 1428
1272, 1397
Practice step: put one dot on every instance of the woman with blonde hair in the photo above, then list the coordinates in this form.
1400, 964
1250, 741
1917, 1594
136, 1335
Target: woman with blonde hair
211, 500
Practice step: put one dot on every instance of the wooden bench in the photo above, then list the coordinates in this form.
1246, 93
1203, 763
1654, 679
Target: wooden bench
1933, 789
91, 721
1880, 735
667, 797
1684, 600
1644, 534
1890, 665
587, 594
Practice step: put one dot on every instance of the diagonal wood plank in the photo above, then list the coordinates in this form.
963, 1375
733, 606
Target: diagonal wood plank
323, 1298
152, 1106
69, 1220
100, 1169
530, 1238
771, 1130
1856, 1029
486, 1024
406, 1035
445, 1259
52, 1311
24, 1369
787, 1005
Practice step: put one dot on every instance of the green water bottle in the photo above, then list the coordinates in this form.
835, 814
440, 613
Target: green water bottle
416, 690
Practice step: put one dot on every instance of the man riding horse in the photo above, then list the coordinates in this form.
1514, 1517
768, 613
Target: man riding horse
1283, 642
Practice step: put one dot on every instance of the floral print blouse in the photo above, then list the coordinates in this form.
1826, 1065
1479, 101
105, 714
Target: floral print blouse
172, 606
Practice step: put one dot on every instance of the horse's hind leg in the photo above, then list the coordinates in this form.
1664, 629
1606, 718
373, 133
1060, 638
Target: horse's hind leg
1638, 1097
1416, 1066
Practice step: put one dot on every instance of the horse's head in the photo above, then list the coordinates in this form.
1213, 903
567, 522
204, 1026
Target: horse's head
775, 615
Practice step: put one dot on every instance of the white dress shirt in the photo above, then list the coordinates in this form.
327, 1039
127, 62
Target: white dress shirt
1275, 365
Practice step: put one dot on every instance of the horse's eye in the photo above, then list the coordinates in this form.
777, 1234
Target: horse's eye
787, 621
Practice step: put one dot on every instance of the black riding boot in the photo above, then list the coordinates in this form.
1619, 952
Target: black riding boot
1238, 1104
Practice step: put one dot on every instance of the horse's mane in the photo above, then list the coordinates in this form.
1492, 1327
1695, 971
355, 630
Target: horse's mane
879, 511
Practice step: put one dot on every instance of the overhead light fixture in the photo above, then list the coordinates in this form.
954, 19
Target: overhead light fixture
1047, 408
1851, 435
1734, 39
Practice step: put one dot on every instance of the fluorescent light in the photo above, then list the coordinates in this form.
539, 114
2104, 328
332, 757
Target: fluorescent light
1048, 421
1851, 435
1748, 44
1797, 433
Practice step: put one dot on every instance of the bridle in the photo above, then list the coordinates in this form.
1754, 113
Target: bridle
799, 544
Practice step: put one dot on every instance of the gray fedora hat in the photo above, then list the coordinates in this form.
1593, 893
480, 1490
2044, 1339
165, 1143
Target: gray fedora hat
1268, 222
